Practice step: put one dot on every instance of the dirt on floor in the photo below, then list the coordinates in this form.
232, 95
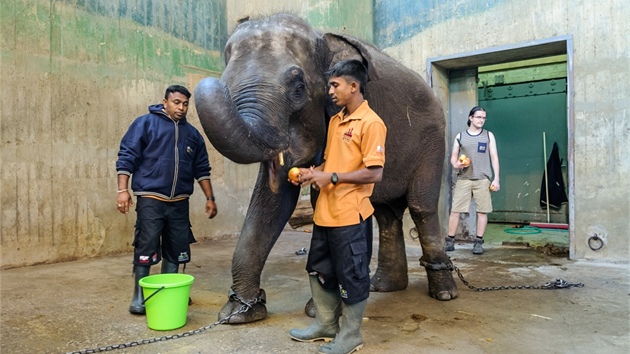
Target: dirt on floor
83, 305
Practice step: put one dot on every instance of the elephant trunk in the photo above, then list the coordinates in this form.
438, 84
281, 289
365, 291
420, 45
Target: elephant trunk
232, 134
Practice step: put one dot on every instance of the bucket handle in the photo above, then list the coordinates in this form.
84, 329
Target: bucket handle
150, 296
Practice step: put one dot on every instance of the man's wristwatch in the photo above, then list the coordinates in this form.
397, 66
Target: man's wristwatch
334, 178
210, 198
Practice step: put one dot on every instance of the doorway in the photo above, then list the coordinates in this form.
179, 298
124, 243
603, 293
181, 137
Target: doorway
459, 81
526, 104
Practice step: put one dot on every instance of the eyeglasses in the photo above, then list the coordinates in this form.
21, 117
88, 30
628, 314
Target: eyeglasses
479, 117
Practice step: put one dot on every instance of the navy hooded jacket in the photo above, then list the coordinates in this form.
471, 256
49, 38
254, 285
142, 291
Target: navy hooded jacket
164, 156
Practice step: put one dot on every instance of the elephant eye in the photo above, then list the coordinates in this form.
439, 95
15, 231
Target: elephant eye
299, 90
299, 93
296, 90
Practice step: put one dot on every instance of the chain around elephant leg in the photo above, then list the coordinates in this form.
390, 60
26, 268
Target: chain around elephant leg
440, 278
257, 310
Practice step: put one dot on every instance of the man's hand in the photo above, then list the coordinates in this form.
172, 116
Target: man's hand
124, 202
318, 179
211, 209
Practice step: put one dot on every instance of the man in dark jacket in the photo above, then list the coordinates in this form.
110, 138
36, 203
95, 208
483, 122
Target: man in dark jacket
165, 154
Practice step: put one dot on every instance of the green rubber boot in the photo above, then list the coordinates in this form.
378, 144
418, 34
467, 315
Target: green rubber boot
137, 307
326, 323
349, 338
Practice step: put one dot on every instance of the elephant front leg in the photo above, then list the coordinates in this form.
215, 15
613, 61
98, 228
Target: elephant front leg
246, 300
266, 216
391, 272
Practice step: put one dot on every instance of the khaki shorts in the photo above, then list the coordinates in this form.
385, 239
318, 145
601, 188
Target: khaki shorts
478, 190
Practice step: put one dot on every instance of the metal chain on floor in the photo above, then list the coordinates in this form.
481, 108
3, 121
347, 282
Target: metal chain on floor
558, 284
441, 266
244, 308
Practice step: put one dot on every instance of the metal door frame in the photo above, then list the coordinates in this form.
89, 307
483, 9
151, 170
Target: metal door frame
437, 77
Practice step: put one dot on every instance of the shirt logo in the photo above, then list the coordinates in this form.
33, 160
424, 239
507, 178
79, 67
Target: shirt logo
343, 292
482, 147
152, 259
347, 136
380, 150
183, 257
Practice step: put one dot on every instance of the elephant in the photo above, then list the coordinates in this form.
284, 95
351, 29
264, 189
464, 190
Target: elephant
270, 106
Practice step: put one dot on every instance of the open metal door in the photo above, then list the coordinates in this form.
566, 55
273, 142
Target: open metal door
518, 114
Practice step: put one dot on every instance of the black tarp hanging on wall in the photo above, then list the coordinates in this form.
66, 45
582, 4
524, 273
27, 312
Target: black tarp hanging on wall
555, 182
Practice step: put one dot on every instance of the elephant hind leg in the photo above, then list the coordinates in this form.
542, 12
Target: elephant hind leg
441, 283
423, 210
391, 272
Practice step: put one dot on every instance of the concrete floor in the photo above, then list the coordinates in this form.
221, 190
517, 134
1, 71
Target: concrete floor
83, 305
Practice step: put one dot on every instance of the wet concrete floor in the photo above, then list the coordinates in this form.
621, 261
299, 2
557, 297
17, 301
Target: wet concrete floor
81, 305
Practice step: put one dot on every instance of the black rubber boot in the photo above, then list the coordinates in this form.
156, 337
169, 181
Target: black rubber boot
326, 323
168, 267
349, 338
137, 307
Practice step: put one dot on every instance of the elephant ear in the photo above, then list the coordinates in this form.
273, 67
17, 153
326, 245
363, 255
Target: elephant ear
342, 47
339, 47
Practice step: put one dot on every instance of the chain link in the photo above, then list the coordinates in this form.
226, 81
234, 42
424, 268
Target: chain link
244, 308
558, 284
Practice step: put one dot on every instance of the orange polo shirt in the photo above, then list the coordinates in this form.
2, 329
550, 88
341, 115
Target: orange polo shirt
354, 142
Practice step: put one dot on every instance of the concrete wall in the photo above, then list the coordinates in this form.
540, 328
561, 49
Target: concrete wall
601, 64
352, 17
78, 72
75, 74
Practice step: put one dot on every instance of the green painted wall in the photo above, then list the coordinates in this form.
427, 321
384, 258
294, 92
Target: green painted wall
76, 73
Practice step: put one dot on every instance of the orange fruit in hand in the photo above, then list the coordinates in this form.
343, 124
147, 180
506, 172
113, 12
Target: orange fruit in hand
294, 174
464, 160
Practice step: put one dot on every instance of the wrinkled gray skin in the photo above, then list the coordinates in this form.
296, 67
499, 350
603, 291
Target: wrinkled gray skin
272, 98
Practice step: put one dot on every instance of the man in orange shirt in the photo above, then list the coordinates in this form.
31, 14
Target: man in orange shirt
339, 255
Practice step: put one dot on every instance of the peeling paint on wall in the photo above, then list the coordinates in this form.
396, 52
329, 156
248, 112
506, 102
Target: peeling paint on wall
199, 22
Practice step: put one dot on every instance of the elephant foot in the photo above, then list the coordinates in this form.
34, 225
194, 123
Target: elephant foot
309, 309
441, 283
237, 310
381, 282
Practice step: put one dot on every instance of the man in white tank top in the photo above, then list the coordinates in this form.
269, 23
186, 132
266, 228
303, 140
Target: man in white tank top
475, 156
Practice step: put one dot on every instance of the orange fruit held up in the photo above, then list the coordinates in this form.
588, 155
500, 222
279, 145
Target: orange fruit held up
294, 174
464, 160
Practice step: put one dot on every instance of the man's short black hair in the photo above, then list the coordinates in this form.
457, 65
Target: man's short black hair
350, 68
177, 88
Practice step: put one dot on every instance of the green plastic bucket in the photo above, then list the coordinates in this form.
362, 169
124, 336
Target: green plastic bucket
166, 300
